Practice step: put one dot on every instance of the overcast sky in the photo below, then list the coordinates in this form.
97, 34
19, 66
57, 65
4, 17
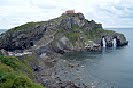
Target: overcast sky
111, 13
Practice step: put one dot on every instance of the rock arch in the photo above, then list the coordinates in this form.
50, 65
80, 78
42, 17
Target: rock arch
114, 40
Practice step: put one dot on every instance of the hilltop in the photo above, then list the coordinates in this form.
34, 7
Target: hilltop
70, 31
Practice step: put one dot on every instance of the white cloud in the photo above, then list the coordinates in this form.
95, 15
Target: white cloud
112, 13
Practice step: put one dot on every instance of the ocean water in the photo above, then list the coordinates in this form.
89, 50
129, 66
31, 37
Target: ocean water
111, 68
2, 30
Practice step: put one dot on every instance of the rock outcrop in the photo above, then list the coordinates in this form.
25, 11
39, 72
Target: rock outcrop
3, 52
70, 31
121, 40
49, 39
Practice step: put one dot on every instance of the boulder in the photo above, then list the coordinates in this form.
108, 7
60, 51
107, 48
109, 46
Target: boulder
121, 40
3, 52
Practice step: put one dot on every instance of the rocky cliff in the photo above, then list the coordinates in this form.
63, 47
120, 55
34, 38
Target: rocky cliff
70, 31
49, 39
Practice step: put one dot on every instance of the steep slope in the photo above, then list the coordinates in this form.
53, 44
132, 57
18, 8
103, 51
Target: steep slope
14, 74
70, 31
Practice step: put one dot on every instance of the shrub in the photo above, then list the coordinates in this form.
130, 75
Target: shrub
9, 61
73, 37
11, 76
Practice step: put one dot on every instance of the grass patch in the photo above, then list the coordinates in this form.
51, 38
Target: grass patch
28, 25
73, 37
97, 33
11, 74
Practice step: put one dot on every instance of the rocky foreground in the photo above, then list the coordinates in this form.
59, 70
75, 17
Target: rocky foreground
48, 40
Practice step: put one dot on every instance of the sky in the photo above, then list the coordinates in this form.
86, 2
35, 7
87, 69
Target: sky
111, 13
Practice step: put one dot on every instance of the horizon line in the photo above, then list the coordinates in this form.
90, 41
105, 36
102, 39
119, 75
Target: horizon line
103, 28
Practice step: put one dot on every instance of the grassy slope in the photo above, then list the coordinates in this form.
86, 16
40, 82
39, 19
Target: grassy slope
27, 25
11, 75
86, 34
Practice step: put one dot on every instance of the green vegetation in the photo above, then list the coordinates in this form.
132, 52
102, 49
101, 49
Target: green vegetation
28, 25
97, 33
76, 27
73, 37
11, 75
10, 61
73, 34
56, 20
76, 33
61, 30
16, 64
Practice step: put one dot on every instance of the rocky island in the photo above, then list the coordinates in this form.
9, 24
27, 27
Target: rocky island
41, 44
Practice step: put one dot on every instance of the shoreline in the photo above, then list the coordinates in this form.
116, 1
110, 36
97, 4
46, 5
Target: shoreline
50, 73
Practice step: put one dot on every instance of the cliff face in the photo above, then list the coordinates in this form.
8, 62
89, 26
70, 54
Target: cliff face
71, 19
70, 31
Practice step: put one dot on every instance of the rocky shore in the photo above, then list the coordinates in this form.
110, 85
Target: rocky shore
54, 72
48, 40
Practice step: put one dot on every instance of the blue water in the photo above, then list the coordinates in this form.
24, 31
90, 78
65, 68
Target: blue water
111, 68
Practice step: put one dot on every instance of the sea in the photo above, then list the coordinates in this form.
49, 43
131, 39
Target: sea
3, 30
111, 68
